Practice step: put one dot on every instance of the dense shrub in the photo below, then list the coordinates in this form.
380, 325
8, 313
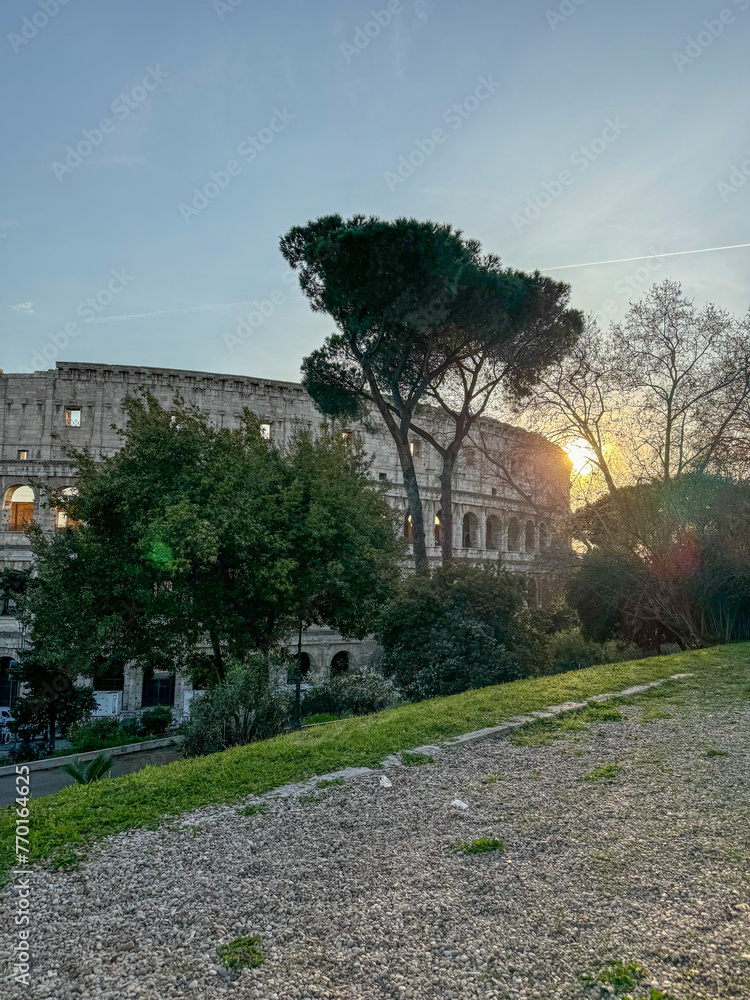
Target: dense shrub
620, 650
353, 693
99, 734
156, 721
667, 648
461, 627
239, 710
570, 651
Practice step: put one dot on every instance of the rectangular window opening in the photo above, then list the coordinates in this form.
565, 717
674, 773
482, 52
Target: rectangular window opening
23, 455
73, 417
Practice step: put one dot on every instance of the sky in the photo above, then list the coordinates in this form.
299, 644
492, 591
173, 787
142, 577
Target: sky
155, 152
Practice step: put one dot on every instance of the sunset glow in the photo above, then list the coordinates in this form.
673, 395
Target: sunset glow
582, 457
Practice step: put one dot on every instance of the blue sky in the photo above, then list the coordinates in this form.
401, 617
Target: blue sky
553, 131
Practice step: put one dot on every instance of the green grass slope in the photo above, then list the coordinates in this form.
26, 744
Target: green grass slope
79, 814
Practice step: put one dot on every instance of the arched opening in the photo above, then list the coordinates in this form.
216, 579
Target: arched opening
493, 532
304, 666
470, 531
21, 508
61, 518
340, 663
439, 528
514, 535
408, 529
543, 536
530, 536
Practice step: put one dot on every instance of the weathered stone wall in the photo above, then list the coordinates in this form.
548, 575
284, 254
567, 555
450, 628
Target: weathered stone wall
33, 424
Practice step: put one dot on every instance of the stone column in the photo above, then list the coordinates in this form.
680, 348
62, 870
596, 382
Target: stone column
132, 690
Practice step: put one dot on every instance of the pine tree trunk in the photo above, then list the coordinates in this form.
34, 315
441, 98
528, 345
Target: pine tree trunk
446, 506
411, 486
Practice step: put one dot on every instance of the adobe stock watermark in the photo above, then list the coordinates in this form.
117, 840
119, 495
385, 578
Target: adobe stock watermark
31, 26
88, 310
738, 178
454, 116
582, 158
371, 29
224, 7
256, 317
122, 107
565, 11
712, 29
248, 149
21, 961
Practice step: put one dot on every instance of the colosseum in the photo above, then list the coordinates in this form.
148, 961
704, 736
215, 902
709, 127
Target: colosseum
77, 404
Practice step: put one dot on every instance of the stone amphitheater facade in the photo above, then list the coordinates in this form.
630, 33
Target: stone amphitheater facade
77, 404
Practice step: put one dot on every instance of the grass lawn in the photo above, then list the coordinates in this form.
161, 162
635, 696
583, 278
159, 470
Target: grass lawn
79, 814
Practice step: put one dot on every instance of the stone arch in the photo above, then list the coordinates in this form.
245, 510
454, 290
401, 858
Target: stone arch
439, 528
408, 529
304, 665
470, 531
340, 663
530, 536
514, 535
494, 532
18, 507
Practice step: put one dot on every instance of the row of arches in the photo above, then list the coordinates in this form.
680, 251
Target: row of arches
339, 664
520, 538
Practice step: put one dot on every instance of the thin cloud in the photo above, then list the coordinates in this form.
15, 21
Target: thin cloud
24, 307
171, 312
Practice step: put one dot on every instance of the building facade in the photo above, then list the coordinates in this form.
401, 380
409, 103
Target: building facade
81, 405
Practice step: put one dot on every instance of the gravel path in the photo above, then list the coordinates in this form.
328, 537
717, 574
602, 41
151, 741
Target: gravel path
358, 896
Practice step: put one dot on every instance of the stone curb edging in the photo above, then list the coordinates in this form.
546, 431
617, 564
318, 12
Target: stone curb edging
491, 732
49, 763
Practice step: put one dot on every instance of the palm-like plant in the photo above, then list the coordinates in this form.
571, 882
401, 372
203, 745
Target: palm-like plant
95, 770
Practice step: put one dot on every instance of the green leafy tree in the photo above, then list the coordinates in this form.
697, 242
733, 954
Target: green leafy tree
423, 318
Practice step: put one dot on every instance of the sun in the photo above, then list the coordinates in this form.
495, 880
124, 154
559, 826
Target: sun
582, 456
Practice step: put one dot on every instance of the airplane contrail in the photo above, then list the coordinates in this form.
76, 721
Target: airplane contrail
648, 256
169, 312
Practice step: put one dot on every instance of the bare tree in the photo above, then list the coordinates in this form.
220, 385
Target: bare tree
663, 393
686, 375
